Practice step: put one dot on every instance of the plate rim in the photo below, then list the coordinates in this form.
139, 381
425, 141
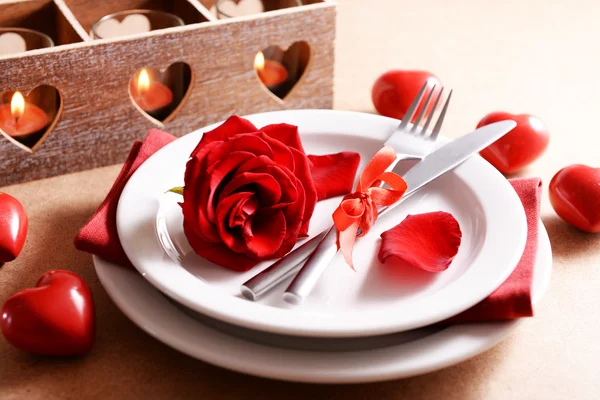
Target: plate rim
452, 337
275, 320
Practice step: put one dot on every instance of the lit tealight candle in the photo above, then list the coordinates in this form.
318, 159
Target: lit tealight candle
270, 72
149, 94
19, 118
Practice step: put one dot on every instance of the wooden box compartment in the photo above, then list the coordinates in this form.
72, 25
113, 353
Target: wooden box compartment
41, 15
191, 13
98, 119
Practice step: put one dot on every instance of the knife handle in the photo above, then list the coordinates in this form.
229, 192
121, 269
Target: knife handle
261, 284
312, 270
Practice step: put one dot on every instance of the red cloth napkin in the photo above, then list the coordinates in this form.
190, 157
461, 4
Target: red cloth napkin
99, 235
512, 300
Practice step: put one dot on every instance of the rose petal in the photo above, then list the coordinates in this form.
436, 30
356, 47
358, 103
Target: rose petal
262, 166
240, 212
217, 174
252, 142
265, 234
248, 143
282, 154
428, 241
286, 134
195, 195
333, 174
264, 186
293, 212
218, 253
232, 212
286, 180
234, 125
303, 174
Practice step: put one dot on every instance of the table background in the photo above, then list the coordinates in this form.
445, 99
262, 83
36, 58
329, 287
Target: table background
535, 56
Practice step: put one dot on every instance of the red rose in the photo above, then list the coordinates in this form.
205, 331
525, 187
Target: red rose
249, 193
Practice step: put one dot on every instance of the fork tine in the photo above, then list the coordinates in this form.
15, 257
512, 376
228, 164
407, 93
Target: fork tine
438, 125
411, 110
430, 118
422, 112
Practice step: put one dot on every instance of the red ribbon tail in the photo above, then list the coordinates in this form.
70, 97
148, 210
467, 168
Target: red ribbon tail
346, 239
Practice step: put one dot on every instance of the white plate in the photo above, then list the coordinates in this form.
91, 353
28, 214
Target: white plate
375, 300
152, 312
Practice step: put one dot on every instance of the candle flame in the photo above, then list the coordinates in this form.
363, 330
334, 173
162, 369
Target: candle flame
259, 61
17, 105
143, 80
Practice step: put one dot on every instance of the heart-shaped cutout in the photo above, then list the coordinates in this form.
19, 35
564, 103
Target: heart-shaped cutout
237, 8
130, 25
27, 120
56, 318
160, 94
280, 71
12, 43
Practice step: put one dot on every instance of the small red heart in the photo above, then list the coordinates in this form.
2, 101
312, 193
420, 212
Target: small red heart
56, 318
13, 227
575, 196
393, 92
519, 147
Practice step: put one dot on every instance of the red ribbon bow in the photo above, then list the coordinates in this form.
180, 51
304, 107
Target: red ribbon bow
359, 209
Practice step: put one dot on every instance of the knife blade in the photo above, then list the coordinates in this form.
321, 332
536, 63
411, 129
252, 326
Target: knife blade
431, 167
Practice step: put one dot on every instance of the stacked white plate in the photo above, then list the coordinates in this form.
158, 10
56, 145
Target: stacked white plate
373, 324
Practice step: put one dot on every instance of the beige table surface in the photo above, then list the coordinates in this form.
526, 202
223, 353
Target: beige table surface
535, 56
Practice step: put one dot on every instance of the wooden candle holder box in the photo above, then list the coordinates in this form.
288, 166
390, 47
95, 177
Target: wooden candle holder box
97, 120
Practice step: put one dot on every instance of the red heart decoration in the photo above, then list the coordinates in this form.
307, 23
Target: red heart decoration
393, 92
56, 318
575, 196
519, 147
13, 227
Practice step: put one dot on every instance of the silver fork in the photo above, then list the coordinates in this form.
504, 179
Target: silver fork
410, 143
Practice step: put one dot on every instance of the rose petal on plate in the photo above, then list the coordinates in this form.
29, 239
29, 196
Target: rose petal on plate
333, 174
428, 241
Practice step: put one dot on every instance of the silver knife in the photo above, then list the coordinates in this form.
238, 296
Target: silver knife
431, 167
